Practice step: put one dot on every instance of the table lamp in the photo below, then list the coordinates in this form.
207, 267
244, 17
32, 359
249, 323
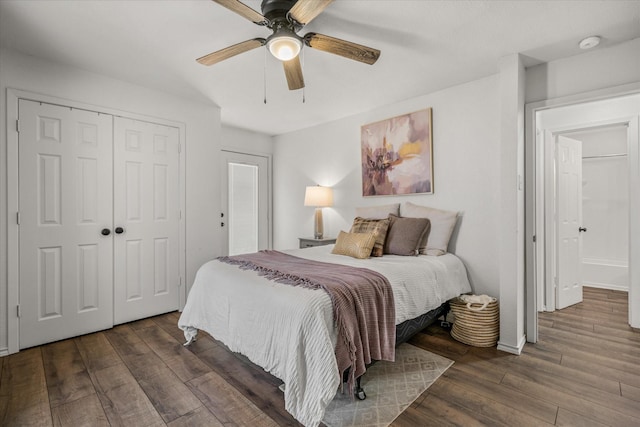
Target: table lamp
319, 197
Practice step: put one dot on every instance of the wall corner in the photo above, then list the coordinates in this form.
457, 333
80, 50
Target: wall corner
511, 218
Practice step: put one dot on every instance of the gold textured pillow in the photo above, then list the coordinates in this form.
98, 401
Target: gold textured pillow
356, 245
378, 227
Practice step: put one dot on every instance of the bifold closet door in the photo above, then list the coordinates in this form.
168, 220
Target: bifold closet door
65, 206
146, 219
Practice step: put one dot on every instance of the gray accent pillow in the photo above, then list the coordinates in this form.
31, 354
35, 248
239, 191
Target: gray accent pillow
405, 234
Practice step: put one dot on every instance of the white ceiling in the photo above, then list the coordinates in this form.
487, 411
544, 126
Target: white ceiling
426, 46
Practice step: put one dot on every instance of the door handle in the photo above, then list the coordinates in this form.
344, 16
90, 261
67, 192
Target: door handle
119, 230
105, 232
582, 229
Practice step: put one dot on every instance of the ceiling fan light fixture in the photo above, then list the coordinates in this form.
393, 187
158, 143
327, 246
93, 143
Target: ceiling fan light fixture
285, 47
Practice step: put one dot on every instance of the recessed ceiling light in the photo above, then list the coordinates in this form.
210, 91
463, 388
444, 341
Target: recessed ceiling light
589, 42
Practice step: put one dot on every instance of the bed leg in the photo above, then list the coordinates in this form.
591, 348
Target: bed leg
190, 334
445, 323
360, 394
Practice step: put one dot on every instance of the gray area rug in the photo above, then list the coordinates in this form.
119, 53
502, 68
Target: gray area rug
390, 387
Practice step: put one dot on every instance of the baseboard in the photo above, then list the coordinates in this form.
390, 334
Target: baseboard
606, 286
513, 349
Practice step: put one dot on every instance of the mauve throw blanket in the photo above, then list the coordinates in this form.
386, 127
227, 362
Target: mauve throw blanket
363, 306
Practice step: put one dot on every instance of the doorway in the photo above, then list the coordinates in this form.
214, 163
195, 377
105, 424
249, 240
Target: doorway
605, 207
246, 201
592, 212
550, 119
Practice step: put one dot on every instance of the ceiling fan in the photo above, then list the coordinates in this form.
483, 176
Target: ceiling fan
285, 18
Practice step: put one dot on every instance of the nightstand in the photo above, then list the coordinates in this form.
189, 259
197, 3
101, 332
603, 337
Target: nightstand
309, 242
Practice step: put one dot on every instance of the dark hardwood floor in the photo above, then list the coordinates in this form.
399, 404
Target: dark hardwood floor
584, 371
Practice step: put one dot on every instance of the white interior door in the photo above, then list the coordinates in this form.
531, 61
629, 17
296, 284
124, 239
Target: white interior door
65, 196
569, 223
146, 219
245, 193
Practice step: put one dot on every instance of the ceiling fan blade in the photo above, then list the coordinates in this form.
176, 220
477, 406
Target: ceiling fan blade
350, 50
243, 10
293, 72
228, 52
304, 11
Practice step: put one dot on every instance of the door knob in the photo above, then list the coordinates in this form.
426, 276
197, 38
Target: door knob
582, 229
105, 232
119, 230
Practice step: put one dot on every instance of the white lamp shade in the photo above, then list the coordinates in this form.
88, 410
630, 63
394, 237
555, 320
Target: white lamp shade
318, 196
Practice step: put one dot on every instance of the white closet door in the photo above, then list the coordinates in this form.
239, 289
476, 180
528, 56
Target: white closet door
146, 219
65, 197
569, 193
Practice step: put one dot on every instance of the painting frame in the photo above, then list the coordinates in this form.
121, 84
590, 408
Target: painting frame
397, 155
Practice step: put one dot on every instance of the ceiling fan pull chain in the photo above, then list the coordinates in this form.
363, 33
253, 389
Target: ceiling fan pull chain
265, 76
303, 87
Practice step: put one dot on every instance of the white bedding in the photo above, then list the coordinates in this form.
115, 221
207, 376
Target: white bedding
289, 331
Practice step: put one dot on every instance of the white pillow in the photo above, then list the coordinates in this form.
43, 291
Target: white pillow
378, 212
442, 225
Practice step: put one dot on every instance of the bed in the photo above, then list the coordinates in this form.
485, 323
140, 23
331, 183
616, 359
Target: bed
289, 331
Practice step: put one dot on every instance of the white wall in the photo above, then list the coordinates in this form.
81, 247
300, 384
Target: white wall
246, 141
605, 190
466, 149
605, 207
596, 69
511, 232
202, 145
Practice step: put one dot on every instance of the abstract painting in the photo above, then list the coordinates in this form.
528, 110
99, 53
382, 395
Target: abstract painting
397, 155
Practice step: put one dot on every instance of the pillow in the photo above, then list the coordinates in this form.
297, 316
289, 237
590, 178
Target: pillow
378, 212
405, 235
356, 245
442, 225
378, 227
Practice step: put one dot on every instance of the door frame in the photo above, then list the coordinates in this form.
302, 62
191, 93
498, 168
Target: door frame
13, 261
224, 203
539, 166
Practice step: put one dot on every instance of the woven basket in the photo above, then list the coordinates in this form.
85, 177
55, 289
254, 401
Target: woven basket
476, 328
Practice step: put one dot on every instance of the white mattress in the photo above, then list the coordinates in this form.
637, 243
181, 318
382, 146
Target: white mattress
289, 330
419, 284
